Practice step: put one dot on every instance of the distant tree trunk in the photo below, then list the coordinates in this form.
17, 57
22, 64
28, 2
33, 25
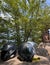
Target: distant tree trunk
45, 38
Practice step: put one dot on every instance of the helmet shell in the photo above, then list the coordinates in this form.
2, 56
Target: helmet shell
8, 50
26, 51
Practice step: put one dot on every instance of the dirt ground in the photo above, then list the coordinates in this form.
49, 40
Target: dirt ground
15, 61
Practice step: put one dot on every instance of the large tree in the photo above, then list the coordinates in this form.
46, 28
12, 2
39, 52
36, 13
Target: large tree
30, 18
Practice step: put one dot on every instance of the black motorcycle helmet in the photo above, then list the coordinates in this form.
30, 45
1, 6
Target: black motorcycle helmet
26, 51
8, 51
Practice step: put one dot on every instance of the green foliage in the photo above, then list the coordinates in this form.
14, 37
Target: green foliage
30, 16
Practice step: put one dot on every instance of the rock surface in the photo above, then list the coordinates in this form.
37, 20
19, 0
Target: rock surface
43, 60
15, 61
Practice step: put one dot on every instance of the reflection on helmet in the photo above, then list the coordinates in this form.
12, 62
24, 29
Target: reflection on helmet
26, 51
8, 50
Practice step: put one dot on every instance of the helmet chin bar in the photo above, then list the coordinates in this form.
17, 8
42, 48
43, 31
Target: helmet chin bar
8, 51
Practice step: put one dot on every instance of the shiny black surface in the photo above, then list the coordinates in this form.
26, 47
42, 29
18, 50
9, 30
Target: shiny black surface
7, 51
26, 51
